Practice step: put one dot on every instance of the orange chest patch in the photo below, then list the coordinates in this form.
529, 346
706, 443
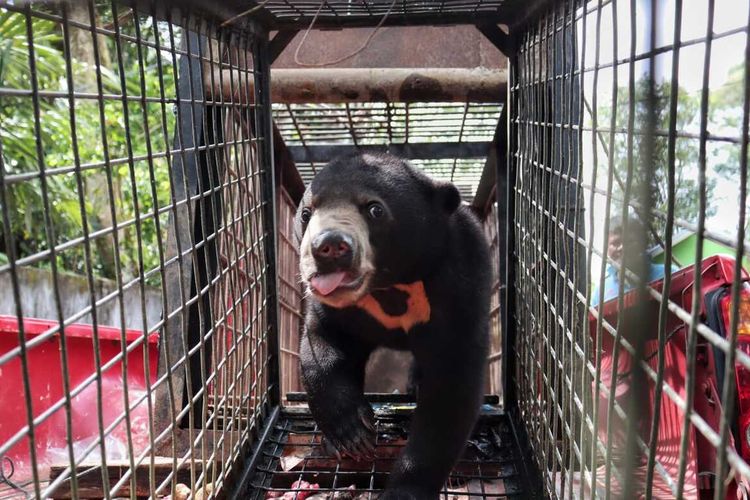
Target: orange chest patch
417, 309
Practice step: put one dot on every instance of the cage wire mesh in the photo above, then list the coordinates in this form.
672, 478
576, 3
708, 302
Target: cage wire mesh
341, 13
629, 362
347, 8
494, 372
138, 222
290, 297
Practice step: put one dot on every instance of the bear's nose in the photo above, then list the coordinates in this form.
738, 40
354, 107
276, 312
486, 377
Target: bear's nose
332, 249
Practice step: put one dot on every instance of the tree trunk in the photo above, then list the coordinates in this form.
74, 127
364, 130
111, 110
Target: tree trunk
95, 182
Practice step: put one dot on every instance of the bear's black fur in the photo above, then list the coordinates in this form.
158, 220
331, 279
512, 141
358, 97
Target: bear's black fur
424, 236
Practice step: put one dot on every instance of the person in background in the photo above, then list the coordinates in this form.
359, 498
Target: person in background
617, 245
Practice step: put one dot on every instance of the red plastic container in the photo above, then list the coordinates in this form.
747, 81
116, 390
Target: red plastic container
46, 385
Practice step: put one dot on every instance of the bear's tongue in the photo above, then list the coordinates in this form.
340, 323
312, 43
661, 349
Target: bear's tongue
324, 284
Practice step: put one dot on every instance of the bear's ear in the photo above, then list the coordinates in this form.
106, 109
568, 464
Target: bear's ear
447, 196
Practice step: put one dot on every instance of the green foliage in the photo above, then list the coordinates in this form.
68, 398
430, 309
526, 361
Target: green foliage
725, 115
686, 151
65, 207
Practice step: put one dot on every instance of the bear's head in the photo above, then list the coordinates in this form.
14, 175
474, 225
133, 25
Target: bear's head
370, 221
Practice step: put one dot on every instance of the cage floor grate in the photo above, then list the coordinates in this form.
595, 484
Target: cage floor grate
294, 463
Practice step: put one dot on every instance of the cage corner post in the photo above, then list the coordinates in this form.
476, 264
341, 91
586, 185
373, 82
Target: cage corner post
264, 131
506, 244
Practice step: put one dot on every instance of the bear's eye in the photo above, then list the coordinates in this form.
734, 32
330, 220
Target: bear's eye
305, 215
375, 210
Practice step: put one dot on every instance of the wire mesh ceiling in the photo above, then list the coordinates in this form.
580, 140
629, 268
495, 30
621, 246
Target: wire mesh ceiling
346, 12
453, 137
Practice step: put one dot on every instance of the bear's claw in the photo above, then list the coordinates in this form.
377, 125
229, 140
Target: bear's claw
352, 436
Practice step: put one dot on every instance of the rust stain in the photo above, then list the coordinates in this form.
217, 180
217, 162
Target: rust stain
417, 308
419, 87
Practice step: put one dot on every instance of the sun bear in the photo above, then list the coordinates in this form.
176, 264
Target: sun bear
390, 257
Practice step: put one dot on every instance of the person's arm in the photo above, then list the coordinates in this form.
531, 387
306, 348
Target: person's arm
594, 295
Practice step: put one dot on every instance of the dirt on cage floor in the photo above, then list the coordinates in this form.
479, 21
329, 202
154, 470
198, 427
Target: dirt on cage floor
293, 465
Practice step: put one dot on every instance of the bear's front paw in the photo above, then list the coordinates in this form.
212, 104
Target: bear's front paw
351, 433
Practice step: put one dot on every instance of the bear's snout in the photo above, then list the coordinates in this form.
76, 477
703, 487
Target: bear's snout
333, 250
336, 259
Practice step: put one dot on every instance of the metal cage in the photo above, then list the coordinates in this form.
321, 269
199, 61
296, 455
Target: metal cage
147, 216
